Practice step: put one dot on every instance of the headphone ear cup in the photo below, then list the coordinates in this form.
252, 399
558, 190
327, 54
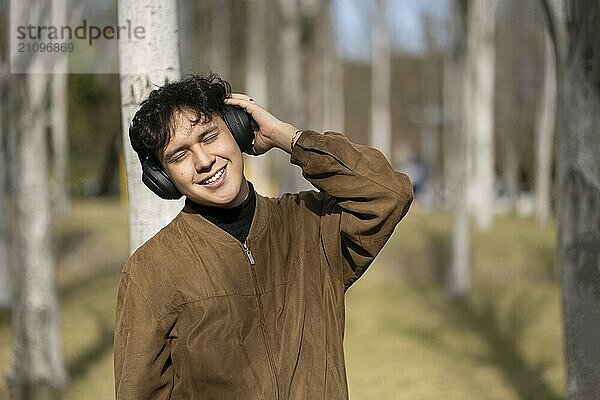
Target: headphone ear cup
157, 180
238, 122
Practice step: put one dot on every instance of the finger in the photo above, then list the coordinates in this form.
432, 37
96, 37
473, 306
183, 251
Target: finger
243, 103
240, 96
238, 103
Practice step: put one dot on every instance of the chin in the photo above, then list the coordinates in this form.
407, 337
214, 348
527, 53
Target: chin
229, 196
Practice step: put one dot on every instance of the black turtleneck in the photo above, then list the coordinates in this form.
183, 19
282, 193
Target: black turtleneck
236, 220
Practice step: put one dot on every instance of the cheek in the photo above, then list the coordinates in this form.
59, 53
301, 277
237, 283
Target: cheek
229, 150
181, 173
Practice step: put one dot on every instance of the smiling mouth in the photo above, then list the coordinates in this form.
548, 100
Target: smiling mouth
213, 178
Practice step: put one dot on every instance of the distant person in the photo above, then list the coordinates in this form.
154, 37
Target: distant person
242, 296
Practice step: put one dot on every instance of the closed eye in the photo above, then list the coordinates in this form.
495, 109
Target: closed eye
210, 137
178, 157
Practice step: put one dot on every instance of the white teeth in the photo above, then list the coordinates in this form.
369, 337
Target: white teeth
214, 177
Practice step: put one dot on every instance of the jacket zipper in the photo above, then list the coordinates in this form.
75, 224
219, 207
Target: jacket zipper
261, 317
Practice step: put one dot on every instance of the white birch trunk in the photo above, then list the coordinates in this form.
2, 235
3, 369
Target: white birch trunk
60, 150
256, 87
458, 281
430, 119
292, 93
220, 37
479, 92
144, 65
544, 136
5, 286
333, 88
578, 188
449, 114
381, 123
316, 72
38, 370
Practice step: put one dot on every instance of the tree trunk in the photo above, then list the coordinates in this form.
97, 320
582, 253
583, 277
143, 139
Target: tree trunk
292, 93
577, 45
479, 91
316, 51
430, 119
381, 77
458, 280
220, 37
258, 168
60, 150
333, 88
144, 65
544, 136
5, 286
38, 370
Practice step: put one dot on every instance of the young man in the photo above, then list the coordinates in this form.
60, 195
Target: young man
242, 296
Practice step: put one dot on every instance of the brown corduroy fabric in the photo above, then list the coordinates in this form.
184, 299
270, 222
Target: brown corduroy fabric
202, 316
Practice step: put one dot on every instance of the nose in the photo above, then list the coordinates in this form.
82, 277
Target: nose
203, 160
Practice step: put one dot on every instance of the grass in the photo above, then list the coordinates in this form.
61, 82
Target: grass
404, 338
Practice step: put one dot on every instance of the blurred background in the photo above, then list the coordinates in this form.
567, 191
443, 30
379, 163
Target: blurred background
464, 301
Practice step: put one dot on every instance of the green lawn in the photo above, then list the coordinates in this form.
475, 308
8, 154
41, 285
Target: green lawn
404, 338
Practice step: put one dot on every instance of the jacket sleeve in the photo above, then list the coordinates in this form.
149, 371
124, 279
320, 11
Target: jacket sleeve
363, 197
143, 367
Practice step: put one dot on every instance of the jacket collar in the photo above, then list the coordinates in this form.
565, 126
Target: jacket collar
203, 227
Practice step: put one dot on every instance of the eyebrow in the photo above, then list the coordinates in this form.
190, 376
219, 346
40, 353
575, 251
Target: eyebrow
213, 127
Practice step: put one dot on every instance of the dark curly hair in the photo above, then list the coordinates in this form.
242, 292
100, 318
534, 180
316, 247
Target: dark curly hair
153, 123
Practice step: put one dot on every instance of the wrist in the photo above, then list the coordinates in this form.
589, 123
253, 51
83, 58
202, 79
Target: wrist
287, 138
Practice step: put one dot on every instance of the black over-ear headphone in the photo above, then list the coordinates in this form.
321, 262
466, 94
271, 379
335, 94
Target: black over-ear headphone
157, 180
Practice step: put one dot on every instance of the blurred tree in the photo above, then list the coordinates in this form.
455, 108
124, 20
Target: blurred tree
381, 77
94, 128
455, 145
144, 65
517, 91
291, 62
573, 26
314, 31
544, 135
60, 190
221, 37
430, 115
292, 93
479, 92
257, 44
510, 86
5, 287
333, 66
256, 86
38, 371
323, 68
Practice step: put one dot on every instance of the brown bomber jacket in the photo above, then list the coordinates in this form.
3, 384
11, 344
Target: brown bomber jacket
202, 316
